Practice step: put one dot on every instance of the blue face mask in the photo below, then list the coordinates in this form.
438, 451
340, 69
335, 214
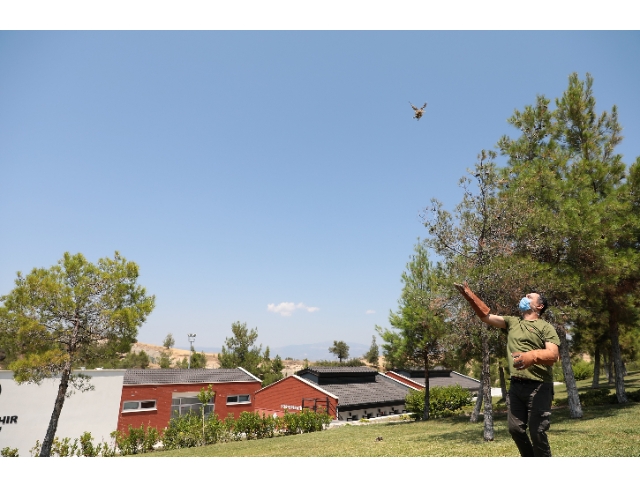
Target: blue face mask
524, 305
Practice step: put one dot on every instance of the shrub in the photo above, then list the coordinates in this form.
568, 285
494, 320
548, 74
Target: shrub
597, 397
306, 421
81, 447
267, 427
86, 445
290, 423
216, 430
9, 452
186, 431
443, 401
35, 451
183, 432
64, 447
311, 421
136, 440
582, 370
248, 424
634, 396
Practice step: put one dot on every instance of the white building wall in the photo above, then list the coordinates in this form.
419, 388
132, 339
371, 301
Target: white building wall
31, 405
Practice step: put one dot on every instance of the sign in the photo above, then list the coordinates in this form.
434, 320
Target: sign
297, 408
8, 420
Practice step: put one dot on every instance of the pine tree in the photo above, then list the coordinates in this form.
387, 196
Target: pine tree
419, 325
240, 351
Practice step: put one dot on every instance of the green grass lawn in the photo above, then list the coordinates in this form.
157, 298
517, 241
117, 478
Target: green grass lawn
603, 431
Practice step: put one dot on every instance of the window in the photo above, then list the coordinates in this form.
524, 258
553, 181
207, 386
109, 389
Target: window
185, 404
130, 406
240, 399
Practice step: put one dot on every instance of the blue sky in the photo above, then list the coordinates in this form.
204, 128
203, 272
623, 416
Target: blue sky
244, 170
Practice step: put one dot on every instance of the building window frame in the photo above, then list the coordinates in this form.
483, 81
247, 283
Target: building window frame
238, 399
141, 405
187, 402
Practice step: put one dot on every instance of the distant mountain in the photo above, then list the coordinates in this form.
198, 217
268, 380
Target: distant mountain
310, 351
317, 351
203, 349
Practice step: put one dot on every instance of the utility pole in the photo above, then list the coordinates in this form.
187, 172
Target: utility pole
192, 338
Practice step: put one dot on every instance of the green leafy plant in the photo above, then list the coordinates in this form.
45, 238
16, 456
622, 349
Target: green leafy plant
205, 396
186, 431
35, 451
443, 401
582, 370
597, 397
216, 430
64, 447
136, 440
80, 447
256, 426
9, 452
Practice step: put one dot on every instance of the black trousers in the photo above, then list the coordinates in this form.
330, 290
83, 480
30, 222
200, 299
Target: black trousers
530, 405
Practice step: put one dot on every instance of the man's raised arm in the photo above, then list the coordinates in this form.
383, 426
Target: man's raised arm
481, 309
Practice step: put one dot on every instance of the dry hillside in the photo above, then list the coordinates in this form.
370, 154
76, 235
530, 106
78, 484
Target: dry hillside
290, 366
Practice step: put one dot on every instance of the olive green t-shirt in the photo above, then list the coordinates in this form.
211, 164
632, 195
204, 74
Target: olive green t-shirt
525, 335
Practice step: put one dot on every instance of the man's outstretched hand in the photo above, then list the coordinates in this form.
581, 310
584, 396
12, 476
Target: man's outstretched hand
463, 288
481, 309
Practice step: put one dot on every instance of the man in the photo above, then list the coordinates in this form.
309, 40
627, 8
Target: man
532, 349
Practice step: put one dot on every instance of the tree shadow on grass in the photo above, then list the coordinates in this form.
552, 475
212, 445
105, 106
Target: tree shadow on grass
463, 431
561, 415
560, 421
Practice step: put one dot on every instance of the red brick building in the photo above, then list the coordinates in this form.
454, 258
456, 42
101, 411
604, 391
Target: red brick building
349, 393
151, 397
293, 393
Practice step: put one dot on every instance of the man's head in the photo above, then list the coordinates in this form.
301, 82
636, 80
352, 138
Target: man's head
537, 302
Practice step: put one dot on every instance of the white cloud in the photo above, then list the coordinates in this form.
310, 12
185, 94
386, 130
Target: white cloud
370, 312
286, 309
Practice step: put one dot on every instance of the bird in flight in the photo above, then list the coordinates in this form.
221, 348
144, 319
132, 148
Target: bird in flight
419, 111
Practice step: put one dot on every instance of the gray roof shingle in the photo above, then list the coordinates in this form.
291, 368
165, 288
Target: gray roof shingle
184, 376
339, 370
383, 390
453, 379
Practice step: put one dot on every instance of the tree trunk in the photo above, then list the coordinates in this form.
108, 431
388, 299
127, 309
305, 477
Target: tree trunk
575, 408
612, 370
47, 443
479, 399
595, 383
616, 355
503, 385
486, 388
425, 414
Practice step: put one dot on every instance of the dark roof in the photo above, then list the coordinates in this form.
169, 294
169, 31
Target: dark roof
185, 376
413, 372
383, 390
450, 380
328, 371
